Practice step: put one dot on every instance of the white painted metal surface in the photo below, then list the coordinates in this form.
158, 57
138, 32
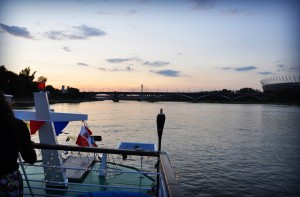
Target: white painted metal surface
54, 116
47, 135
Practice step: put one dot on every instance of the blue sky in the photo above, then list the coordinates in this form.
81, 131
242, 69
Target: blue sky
187, 45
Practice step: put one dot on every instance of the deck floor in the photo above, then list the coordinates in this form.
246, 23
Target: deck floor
118, 180
77, 162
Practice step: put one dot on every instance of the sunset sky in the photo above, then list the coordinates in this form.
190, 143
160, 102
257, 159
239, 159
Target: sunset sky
187, 45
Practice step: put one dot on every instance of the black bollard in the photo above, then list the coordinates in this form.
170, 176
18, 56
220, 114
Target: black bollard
160, 122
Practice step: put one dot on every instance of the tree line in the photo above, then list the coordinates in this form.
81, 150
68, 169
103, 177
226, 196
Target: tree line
23, 85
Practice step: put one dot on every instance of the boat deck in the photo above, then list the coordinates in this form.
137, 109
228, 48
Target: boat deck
83, 173
119, 178
77, 162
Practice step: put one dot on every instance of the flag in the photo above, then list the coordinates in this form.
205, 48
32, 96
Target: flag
85, 137
59, 126
35, 125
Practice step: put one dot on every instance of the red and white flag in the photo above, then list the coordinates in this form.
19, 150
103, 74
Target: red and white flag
85, 137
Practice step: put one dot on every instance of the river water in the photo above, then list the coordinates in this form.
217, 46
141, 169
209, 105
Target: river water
218, 149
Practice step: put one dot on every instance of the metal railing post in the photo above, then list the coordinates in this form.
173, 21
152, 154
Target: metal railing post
25, 175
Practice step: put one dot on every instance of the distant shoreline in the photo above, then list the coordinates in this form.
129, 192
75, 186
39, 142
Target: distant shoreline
28, 102
20, 102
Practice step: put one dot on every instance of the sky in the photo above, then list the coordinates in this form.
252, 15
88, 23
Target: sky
179, 45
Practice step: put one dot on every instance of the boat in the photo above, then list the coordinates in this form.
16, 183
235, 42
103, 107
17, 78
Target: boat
69, 170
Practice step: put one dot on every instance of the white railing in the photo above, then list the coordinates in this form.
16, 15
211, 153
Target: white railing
36, 185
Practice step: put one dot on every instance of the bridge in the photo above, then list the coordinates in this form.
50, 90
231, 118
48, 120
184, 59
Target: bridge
177, 96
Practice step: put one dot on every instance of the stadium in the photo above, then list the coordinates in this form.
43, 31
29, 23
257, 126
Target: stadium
281, 83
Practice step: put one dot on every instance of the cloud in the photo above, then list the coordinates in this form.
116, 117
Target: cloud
137, 59
235, 11
240, 69
55, 35
265, 73
227, 68
89, 31
156, 63
169, 73
16, 31
202, 4
279, 60
131, 12
129, 68
245, 68
116, 69
232, 11
280, 66
82, 64
67, 49
295, 69
82, 32
105, 13
118, 60
101, 68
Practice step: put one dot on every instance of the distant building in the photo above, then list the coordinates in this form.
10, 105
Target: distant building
280, 83
63, 90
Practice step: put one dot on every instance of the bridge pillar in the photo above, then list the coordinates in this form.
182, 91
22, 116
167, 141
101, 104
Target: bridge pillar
151, 98
141, 97
115, 97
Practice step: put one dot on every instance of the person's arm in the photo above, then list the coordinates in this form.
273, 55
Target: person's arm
27, 151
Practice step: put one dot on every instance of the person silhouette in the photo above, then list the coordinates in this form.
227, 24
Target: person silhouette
14, 139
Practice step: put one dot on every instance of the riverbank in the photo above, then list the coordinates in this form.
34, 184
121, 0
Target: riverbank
27, 102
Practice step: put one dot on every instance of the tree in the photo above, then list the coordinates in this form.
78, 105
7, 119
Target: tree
28, 78
227, 91
248, 90
72, 93
26, 74
10, 83
42, 79
3, 79
53, 91
23, 84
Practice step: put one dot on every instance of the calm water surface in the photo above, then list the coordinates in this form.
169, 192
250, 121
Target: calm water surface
218, 149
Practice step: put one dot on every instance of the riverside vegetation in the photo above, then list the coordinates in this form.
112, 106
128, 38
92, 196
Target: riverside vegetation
22, 85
